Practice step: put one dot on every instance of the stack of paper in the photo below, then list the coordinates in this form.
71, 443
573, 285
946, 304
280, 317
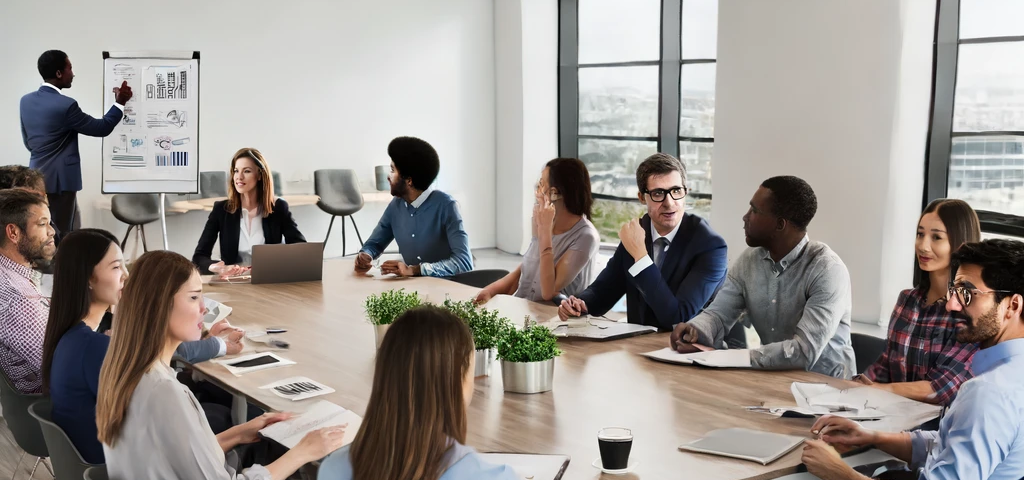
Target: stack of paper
897, 412
739, 358
321, 415
745, 444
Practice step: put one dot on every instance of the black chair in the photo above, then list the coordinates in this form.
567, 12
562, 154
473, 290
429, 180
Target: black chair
98, 472
479, 278
136, 210
25, 429
213, 184
867, 348
67, 462
339, 196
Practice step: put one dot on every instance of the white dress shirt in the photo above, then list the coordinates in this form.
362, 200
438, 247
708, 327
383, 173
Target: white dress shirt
645, 262
250, 233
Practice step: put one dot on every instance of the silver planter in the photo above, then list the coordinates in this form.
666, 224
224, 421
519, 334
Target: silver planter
381, 172
528, 377
379, 331
484, 362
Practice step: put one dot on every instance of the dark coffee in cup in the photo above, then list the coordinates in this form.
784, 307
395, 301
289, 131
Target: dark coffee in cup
615, 444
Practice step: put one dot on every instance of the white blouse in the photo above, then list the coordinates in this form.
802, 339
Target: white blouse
250, 233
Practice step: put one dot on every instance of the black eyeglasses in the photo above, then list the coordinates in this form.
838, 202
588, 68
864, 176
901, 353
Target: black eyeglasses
964, 295
658, 194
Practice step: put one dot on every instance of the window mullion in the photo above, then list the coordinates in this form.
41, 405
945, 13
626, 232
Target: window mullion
671, 60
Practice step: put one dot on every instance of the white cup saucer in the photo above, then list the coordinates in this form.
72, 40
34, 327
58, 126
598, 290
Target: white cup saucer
597, 464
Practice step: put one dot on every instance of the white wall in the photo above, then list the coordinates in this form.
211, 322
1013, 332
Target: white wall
313, 84
526, 44
837, 93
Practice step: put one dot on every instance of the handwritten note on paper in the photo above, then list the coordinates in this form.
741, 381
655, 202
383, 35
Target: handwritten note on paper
739, 358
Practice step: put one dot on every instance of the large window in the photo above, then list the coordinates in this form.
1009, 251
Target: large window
636, 78
975, 150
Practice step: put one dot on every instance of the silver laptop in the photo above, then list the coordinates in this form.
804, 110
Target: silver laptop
286, 263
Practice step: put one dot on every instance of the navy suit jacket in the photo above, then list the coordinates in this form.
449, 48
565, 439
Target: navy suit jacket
692, 272
50, 124
229, 226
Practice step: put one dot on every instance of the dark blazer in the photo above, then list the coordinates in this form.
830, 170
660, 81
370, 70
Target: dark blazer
228, 225
692, 272
50, 124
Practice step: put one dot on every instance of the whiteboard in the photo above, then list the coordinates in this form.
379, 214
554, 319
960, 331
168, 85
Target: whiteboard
155, 148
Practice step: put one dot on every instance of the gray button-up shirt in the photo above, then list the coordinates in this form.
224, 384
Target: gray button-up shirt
800, 307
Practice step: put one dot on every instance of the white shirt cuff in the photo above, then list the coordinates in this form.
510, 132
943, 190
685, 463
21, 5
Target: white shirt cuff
118, 105
641, 265
223, 347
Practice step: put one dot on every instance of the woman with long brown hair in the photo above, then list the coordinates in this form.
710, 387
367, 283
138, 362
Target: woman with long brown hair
150, 425
251, 215
923, 359
415, 424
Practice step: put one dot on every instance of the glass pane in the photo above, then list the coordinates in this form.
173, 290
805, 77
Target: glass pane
700, 29
697, 157
610, 215
612, 164
619, 31
988, 173
991, 18
619, 101
697, 100
989, 88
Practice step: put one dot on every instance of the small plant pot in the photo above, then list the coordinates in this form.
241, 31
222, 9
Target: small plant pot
528, 377
485, 359
379, 331
382, 172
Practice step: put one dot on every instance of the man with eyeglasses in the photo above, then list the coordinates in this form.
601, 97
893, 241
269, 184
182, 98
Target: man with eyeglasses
669, 263
27, 241
793, 291
982, 434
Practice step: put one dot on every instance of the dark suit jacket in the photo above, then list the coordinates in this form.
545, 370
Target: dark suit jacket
229, 226
50, 124
692, 272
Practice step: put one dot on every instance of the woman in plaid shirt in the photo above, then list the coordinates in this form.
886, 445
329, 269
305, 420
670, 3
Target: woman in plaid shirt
923, 360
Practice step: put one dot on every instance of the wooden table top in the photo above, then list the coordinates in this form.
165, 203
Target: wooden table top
597, 384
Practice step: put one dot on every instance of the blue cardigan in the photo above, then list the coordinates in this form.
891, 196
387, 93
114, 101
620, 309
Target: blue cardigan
74, 382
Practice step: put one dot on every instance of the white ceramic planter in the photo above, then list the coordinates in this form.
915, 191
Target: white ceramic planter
485, 359
379, 331
528, 377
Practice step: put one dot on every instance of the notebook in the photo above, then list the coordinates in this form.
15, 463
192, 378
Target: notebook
597, 329
322, 414
531, 466
745, 444
241, 365
738, 358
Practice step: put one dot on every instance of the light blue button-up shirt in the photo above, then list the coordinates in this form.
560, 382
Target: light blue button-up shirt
982, 435
463, 464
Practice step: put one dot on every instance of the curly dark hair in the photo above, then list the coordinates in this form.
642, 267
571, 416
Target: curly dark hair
415, 159
792, 199
51, 62
1001, 262
12, 176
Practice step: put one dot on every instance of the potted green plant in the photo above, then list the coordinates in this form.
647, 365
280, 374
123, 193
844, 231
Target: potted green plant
528, 358
488, 328
383, 309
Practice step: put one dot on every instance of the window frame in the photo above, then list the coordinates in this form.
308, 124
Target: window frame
938, 154
669, 65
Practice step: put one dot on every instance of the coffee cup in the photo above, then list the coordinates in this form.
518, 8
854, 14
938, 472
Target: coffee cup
615, 444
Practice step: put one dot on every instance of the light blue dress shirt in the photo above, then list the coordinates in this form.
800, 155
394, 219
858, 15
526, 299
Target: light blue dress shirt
465, 464
982, 435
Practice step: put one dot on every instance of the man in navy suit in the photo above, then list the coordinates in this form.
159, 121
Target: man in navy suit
669, 263
50, 124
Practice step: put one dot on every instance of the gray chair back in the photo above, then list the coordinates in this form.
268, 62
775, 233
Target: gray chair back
26, 431
213, 184
867, 349
479, 278
66, 461
136, 208
338, 191
276, 177
98, 472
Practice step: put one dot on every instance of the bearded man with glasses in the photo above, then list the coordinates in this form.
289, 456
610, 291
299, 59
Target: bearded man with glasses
669, 263
982, 434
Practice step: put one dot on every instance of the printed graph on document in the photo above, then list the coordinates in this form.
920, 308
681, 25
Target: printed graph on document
127, 161
172, 159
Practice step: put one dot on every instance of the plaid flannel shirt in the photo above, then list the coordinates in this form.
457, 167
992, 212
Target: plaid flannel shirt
23, 314
922, 346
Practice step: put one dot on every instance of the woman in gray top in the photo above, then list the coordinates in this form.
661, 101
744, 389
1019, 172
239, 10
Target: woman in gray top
560, 259
149, 424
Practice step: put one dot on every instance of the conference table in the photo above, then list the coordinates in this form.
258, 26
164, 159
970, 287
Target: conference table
596, 384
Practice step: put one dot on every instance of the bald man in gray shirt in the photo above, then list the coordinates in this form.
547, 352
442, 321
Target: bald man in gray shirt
794, 292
